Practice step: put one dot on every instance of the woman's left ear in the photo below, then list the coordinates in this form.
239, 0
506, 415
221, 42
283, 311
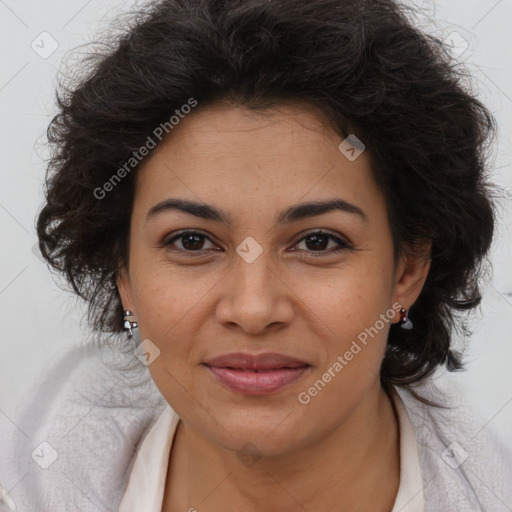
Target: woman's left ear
412, 272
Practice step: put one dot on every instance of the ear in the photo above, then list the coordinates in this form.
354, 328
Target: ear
411, 274
124, 287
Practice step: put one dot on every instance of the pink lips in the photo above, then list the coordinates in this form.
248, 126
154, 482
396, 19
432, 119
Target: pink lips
256, 374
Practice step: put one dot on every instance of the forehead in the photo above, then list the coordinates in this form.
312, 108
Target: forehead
255, 159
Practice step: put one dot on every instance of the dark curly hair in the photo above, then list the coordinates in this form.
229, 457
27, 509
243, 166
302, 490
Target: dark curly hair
362, 64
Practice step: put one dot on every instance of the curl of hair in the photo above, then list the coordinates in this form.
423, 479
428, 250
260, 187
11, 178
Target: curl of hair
363, 65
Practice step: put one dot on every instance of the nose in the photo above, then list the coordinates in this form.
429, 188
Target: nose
255, 299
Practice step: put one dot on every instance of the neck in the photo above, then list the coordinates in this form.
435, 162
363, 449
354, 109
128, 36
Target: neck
335, 473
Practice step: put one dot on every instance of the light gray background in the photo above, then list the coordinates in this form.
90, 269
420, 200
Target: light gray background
39, 321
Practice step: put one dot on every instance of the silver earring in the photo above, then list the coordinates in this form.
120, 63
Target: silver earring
130, 322
404, 322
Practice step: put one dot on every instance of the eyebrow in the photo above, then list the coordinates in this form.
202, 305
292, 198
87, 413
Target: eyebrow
291, 214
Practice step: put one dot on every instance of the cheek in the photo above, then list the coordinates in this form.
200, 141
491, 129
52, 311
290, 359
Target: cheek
346, 301
171, 306
167, 297
354, 307
353, 349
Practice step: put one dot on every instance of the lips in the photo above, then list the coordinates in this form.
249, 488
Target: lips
256, 374
259, 362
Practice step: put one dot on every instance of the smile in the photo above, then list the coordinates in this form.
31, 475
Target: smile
256, 374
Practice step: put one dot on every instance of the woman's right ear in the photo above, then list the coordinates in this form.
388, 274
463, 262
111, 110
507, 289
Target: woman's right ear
125, 289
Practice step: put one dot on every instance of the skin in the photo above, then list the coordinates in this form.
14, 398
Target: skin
341, 450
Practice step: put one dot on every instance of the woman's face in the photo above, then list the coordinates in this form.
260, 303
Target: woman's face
254, 278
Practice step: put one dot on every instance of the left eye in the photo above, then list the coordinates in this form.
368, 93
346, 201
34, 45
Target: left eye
319, 241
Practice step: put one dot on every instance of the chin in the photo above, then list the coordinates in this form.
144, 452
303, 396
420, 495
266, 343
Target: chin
258, 444
265, 434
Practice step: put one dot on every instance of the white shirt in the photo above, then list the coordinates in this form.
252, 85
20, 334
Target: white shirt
146, 486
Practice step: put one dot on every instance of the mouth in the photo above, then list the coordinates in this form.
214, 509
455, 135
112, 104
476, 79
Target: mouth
260, 374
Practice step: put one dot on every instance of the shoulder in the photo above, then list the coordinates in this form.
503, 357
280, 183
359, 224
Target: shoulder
77, 435
464, 467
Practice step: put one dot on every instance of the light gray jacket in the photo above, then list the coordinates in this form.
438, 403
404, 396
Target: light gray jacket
76, 439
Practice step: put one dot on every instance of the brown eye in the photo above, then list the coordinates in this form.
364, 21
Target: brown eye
320, 241
192, 242
315, 242
189, 241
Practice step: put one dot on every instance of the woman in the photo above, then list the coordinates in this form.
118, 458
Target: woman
284, 205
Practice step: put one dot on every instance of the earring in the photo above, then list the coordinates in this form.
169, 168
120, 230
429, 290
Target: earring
404, 321
130, 322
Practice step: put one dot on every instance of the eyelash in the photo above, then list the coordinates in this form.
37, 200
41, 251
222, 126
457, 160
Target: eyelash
342, 245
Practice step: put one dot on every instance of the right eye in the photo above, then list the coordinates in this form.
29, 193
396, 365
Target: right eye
189, 241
